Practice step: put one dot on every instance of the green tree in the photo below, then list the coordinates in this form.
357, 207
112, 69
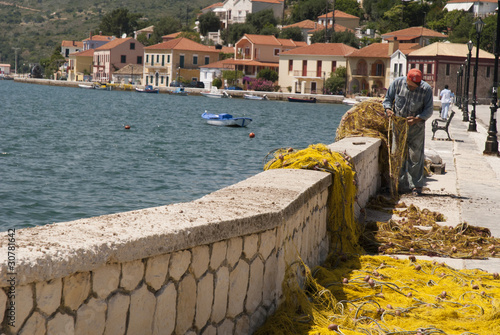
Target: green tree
262, 19
293, 33
346, 37
217, 82
209, 22
309, 10
232, 76
350, 7
337, 80
166, 25
192, 35
462, 29
269, 29
119, 22
236, 31
53, 63
268, 74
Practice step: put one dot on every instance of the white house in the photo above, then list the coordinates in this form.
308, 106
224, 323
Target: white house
4, 69
479, 8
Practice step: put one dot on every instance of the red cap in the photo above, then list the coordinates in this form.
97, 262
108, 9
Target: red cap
415, 75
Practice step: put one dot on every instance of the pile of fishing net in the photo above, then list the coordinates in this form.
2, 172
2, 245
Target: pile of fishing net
354, 293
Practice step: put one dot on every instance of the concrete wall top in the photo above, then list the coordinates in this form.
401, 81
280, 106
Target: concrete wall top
258, 203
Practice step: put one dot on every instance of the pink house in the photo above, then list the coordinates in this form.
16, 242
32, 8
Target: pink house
114, 55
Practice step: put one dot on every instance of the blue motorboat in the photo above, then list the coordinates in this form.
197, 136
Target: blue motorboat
147, 89
225, 119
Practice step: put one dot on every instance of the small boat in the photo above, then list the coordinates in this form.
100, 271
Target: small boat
86, 86
255, 97
180, 91
349, 102
225, 119
104, 87
309, 100
147, 89
215, 93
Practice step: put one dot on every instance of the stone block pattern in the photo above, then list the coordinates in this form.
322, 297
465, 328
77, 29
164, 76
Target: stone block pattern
226, 287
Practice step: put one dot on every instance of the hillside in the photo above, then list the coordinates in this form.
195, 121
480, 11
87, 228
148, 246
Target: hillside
36, 27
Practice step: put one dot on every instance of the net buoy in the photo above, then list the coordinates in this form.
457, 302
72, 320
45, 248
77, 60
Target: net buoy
251, 135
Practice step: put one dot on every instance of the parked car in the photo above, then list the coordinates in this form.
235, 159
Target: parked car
197, 84
235, 88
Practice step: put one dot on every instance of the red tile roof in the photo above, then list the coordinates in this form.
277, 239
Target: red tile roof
374, 50
413, 32
338, 28
89, 52
333, 49
173, 35
69, 44
218, 4
114, 43
181, 43
271, 40
338, 13
100, 38
306, 24
226, 50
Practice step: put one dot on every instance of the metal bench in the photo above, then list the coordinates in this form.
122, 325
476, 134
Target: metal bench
436, 125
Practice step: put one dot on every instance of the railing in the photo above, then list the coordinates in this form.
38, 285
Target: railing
308, 74
359, 72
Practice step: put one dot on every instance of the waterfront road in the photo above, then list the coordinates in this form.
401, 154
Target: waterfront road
469, 189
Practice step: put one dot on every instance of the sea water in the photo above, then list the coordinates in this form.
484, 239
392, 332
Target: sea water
66, 154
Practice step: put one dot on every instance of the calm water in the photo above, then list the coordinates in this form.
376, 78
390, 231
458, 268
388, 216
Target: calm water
65, 154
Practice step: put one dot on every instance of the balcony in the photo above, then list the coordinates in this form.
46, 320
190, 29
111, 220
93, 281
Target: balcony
308, 74
359, 72
243, 56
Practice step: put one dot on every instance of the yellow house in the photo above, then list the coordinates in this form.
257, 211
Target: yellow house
176, 59
256, 52
369, 70
306, 69
80, 63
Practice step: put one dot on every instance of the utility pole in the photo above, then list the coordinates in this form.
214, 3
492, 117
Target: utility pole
15, 62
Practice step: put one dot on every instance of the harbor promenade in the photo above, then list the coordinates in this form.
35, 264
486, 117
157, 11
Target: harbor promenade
469, 190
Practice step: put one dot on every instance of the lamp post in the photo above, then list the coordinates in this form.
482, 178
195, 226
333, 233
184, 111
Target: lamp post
459, 81
472, 122
491, 146
467, 76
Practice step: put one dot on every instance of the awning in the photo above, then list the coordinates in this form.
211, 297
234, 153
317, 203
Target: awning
458, 6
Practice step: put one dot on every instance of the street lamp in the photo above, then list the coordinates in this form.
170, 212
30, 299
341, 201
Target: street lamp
472, 123
467, 77
491, 146
459, 82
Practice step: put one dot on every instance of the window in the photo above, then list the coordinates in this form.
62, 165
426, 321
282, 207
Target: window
123, 59
487, 72
400, 73
152, 60
168, 59
429, 68
162, 60
195, 59
334, 66
157, 58
207, 60
132, 46
181, 61
396, 70
319, 66
379, 70
161, 79
290, 65
139, 59
447, 69
147, 58
304, 68
276, 52
421, 67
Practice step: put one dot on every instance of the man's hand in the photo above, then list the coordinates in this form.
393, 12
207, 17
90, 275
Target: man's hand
389, 112
413, 120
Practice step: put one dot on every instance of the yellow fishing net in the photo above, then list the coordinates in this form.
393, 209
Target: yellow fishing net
352, 293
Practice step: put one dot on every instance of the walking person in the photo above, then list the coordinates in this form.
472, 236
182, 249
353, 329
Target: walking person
411, 97
446, 97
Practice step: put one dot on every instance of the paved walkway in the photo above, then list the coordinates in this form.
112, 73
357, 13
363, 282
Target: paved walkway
469, 190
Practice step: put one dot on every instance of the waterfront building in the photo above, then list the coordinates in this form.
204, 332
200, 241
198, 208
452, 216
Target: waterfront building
80, 65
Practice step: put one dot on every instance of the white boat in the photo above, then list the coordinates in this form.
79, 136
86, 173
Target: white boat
215, 93
225, 119
255, 97
86, 86
147, 89
349, 102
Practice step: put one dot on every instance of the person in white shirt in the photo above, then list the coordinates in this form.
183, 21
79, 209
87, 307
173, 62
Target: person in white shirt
445, 102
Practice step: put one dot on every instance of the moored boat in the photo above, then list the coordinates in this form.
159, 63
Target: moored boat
255, 97
349, 102
180, 91
225, 119
86, 86
307, 100
147, 89
215, 93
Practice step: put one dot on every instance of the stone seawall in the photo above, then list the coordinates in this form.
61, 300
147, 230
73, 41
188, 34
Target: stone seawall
211, 266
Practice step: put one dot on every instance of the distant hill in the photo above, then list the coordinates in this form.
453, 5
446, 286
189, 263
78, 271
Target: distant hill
36, 27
